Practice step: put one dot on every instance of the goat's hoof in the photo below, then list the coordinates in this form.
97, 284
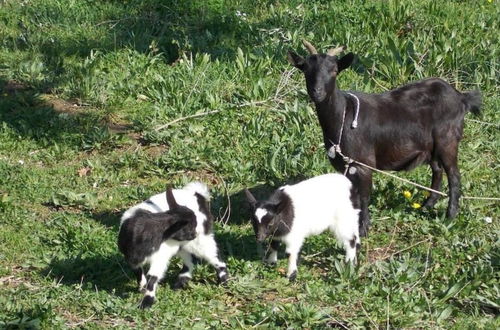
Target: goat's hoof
451, 215
429, 203
363, 231
452, 212
293, 276
223, 278
147, 302
222, 274
270, 263
181, 283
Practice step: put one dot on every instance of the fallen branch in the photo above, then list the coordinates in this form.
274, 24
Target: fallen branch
159, 128
405, 249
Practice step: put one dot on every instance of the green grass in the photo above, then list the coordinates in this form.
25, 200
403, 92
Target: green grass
85, 85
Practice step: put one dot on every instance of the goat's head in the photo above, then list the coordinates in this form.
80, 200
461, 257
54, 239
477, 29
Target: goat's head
185, 228
320, 70
265, 216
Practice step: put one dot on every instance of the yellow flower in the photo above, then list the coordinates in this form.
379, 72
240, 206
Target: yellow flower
426, 193
416, 205
407, 194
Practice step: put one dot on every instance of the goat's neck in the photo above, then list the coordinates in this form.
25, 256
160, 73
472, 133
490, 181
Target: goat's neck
330, 112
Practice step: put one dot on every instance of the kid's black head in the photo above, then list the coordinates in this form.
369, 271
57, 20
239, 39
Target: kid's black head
184, 229
266, 218
320, 70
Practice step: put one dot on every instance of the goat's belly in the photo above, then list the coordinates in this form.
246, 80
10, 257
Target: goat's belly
403, 162
201, 245
299, 233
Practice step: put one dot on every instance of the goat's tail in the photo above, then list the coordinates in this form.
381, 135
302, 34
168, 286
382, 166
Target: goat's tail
198, 187
472, 101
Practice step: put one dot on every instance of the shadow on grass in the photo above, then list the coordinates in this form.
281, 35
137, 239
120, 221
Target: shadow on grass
108, 273
169, 27
110, 219
49, 123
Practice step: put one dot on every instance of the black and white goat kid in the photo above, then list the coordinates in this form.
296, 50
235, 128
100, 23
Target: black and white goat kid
189, 241
294, 212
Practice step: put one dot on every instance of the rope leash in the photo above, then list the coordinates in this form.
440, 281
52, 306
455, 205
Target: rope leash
349, 161
355, 121
335, 149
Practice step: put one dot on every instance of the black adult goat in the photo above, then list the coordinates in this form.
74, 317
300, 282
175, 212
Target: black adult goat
418, 123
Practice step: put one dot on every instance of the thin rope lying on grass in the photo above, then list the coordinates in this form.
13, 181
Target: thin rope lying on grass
483, 122
349, 161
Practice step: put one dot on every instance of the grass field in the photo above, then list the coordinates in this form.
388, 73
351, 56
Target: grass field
89, 90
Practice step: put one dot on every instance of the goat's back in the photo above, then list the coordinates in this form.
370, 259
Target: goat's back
185, 196
431, 98
317, 201
399, 129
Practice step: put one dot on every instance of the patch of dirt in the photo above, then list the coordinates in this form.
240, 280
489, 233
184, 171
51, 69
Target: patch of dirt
62, 106
122, 128
73, 320
13, 86
76, 107
380, 253
274, 295
155, 151
13, 280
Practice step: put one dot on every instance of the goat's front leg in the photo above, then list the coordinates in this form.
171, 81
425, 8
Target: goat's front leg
351, 247
141, 279
205, 247
365, 191
437, 178
272, 258
292, 250
360, 196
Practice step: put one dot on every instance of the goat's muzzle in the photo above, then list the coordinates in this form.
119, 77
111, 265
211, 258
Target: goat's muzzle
261, 237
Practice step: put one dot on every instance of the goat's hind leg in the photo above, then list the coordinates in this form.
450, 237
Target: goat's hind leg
447, 151
208, 251
437, 178
449, 160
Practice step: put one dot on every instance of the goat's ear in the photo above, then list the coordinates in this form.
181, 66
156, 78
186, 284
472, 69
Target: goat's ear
172, 203
345, 61
174, 229
296, 60
279, 207
251, 200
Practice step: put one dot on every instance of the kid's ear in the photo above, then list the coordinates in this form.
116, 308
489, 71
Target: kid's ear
279, 207
172, 203
296, 60
345, 61
250, 198
175, 228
